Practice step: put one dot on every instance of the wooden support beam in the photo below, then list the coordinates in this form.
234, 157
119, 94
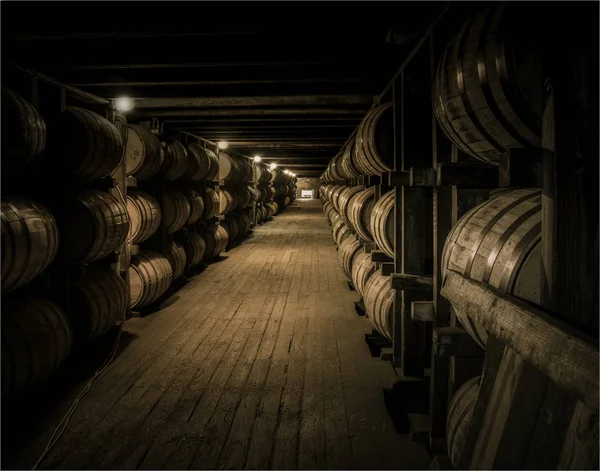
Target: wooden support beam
282, 145
454, 341
250, 101
422, 311
466, 175
379, 256
241, 111
411, 282
564, 354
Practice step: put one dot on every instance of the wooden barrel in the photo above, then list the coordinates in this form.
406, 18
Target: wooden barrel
344, 200
145, 215
360, 208
196, 206
30, 240
261, 174
227, 201
349, 250
336, 170
488, 93
99, 301
362, 269
382, 223
195, 247
499, 243
269, 211
287, 200
175, 161
203, 163
86, 145
331, 213
271, 192
36, 339
460, 415
231, 225
340, 231
23, 134
327, 206
379, 303
234, 169
176, 210
335, 196
143, 153
211, 203
374, 144
150, 275
276, 207
245, 224
177, 259
216, 239
93, 225
347, 161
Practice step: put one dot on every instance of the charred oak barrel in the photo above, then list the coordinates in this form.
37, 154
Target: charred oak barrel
374, 142
93, 225
232, 227
360, 208
382, 223
348, 161
143, 153
499, 243
379, 303
335, 196
216, 239
245, 224
362, 269
269, 211
340, 231
261, 174
344, 201
203, 164
36, 339
488, 88
177, 258
99, 301
145, 215
227, 201
196, 206
211, 204
195, 247
89, 146
350, 248
23, 134
175, 161
232, 169
29, 241
460, 415
150, 275
176, 210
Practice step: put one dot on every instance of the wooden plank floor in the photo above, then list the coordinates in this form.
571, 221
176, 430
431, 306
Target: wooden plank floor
258, 363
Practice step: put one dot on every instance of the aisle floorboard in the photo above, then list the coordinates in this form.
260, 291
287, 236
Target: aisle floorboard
259, 362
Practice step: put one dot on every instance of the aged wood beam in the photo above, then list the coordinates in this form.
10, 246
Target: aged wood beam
564, 354
202, 83
178, 112
192, 65
279, 144
293, 100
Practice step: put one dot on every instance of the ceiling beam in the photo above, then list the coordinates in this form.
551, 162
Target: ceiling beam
283, 120
241, 111
298, 100
304, 165
190, 65
186, 83
281, 145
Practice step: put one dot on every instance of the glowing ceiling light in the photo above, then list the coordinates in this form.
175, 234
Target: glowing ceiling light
124, 104
223, 145
273, 166
257, 158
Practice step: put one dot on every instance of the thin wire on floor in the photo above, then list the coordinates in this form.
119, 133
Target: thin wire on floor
60, 429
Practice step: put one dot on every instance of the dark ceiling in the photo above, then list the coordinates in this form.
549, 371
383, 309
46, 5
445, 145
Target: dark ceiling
287, 80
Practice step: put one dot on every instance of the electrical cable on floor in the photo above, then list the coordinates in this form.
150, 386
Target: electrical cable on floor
65, 420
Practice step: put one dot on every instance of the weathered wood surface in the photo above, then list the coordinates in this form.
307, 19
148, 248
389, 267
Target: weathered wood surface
259, 362
557, 350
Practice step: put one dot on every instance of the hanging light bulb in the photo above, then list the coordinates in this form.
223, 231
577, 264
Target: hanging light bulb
257, 158
273, 166
223, 145
124, 104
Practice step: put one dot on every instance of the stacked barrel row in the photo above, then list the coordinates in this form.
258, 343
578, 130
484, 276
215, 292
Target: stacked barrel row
237, 195
275, 190
485, 109
60, 231
174, 214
